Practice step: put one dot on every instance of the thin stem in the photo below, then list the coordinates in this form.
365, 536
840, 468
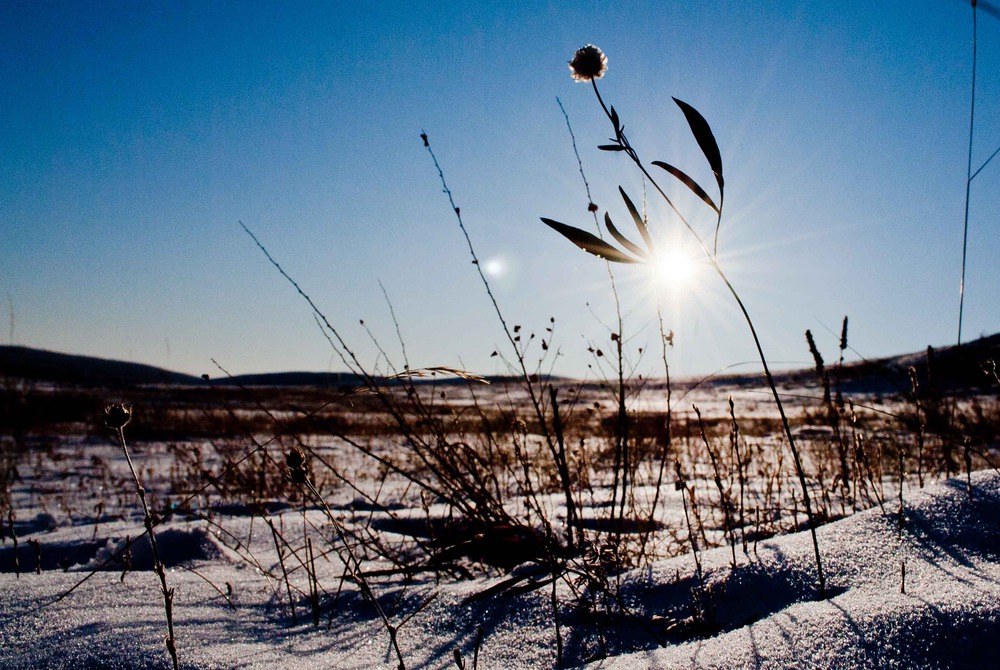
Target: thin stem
395, 322
579, 163
968, 181
988, 160
284, 572
718, 224
556, 623
168, 593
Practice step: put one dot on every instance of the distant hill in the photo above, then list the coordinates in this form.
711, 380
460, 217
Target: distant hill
943, 368
50, 366
90, 371
949, 368
332, 379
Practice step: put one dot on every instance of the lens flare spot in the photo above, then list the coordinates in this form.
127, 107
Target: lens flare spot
495, 267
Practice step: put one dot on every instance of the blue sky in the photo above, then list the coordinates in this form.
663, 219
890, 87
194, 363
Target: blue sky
136, 136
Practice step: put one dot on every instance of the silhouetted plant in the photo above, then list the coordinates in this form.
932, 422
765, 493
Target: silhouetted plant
588, 65
116, 417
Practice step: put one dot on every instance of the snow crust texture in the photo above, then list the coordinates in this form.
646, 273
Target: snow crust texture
767, 614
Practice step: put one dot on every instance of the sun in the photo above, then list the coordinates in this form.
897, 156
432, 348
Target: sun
674, 270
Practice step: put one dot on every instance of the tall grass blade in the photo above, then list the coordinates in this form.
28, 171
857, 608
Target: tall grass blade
589, 242
640, 222
624, 241
690, 183
703, 135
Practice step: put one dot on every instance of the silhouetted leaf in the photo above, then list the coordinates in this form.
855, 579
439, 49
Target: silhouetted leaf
625, 242
703, 135
987, 7
687, 181
589, 242
617, 124
639, 222
611, 147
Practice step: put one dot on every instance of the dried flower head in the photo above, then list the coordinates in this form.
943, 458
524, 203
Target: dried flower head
295, 462
117, 415
588, 63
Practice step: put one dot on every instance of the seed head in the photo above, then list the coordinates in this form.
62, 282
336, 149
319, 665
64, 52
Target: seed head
117, 415
588, 63
295, 462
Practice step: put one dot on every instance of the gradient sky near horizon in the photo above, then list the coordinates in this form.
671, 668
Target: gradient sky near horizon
136, 136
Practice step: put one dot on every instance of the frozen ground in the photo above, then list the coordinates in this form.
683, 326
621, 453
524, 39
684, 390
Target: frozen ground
765, 609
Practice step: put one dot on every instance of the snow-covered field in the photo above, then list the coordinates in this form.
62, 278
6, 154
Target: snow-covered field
922, 593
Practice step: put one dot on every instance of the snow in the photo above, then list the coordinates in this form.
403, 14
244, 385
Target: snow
947, 618
767, 613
